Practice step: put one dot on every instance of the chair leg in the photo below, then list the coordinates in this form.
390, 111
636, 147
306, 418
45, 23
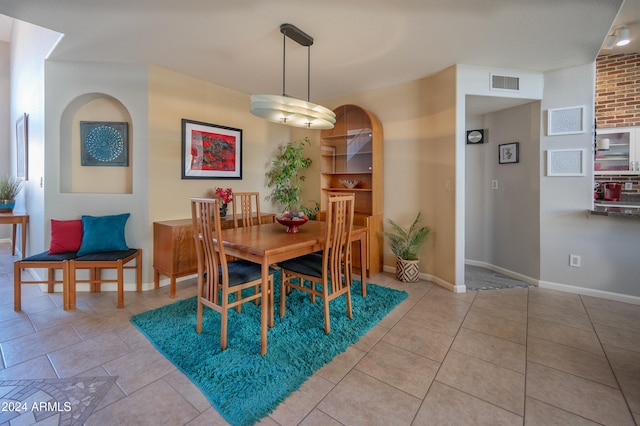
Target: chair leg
349, 310
271, 304
223, 327
283, 293
325, 301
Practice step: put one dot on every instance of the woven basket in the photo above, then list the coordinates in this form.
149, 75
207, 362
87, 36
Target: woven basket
407, 271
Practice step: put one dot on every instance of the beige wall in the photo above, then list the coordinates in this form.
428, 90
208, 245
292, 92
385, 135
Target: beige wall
418, 121
174, 96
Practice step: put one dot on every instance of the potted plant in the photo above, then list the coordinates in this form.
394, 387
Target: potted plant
285, 176
10, 187
406, 245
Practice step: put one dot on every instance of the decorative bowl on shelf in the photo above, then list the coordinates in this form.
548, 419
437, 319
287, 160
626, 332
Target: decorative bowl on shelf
292, 222
350, 183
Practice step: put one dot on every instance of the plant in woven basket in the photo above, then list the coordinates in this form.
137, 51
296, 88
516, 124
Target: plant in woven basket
406, 243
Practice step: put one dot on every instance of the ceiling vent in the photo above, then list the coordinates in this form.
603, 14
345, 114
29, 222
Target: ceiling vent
504, 82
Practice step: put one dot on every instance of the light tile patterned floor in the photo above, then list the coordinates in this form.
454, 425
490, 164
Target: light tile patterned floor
513, 356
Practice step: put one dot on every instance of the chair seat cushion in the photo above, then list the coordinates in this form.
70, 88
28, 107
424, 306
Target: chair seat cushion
309, 264
107, 256
243, 271
46, 257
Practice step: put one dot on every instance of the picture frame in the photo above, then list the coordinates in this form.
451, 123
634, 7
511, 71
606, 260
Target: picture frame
22, 147
566, 121
104, 143
211, 151
566, 162
509, 153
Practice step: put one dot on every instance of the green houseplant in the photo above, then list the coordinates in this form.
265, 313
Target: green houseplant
406, 245
285, 175
10, 187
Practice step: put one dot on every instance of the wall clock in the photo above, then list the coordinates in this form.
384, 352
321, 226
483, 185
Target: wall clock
475, 136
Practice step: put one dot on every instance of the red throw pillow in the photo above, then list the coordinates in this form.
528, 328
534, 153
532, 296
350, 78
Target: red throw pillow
66, 236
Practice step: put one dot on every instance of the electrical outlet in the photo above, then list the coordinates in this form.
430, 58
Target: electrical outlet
628, 186
575, 260
447, 185
494, 184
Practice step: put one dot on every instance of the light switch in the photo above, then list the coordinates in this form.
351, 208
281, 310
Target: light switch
494, 184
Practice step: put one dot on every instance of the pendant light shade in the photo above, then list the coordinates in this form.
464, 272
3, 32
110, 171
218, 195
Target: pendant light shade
288, 110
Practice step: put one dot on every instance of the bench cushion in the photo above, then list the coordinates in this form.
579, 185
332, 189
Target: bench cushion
46, 257
106, 256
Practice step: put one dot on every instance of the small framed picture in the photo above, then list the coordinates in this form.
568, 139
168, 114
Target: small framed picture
210, 151
566, 121
22, 151
566, 162
509, 153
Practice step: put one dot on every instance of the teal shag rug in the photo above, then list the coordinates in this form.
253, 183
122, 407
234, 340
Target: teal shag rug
242, 385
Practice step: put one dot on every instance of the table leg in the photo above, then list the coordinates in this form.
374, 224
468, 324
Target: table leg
264, 307
13, 240
363, 262
24, 238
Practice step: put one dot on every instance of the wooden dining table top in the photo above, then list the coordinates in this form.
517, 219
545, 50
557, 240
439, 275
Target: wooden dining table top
272, 240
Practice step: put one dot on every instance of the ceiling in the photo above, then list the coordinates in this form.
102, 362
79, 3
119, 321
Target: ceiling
359, 45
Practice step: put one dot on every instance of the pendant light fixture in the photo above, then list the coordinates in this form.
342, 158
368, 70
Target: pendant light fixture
285, 109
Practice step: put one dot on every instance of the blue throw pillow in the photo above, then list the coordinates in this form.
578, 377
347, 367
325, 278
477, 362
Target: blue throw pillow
103, 233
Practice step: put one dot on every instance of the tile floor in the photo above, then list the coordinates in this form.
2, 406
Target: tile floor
513, 356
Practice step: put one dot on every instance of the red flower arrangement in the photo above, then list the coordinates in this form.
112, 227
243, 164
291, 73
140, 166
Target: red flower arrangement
225, 194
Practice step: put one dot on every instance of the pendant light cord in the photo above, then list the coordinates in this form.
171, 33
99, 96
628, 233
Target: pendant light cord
284, 61
308, 73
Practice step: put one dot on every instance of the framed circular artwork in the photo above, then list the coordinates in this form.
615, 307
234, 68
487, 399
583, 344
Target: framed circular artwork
104, 143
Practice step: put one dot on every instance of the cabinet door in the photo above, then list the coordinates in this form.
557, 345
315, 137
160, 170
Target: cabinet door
619, 155
185, 250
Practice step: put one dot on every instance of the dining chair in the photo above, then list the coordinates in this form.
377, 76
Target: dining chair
246, 209
222, 285
332, 268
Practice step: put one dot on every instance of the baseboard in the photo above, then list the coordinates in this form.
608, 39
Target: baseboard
617, 297
504, 271
558, 286
432, 278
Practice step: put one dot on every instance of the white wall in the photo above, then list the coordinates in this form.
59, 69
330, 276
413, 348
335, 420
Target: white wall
30, 45
6, 150
68, 86
609, 246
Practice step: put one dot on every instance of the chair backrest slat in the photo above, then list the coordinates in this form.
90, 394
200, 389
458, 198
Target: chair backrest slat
205, 214
337, 247
246, 207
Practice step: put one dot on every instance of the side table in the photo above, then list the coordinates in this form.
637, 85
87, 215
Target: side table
15, 219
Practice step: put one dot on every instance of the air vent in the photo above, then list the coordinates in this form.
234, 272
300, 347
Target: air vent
504, 82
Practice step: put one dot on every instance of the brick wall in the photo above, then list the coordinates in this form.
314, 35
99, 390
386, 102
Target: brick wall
618, 101
618, 91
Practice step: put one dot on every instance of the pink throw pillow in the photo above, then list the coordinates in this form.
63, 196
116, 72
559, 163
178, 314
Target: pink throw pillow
66, 236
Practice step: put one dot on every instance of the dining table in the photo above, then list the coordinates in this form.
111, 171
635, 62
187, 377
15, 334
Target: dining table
269, 243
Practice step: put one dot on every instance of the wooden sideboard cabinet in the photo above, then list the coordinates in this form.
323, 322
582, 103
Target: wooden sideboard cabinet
174, 252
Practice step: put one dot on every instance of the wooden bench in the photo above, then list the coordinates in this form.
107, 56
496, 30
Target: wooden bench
69, 263
47, 261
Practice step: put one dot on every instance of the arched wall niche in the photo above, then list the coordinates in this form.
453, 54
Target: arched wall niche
75, 178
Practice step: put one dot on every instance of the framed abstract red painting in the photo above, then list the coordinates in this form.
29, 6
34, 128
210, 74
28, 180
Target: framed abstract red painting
211, 151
